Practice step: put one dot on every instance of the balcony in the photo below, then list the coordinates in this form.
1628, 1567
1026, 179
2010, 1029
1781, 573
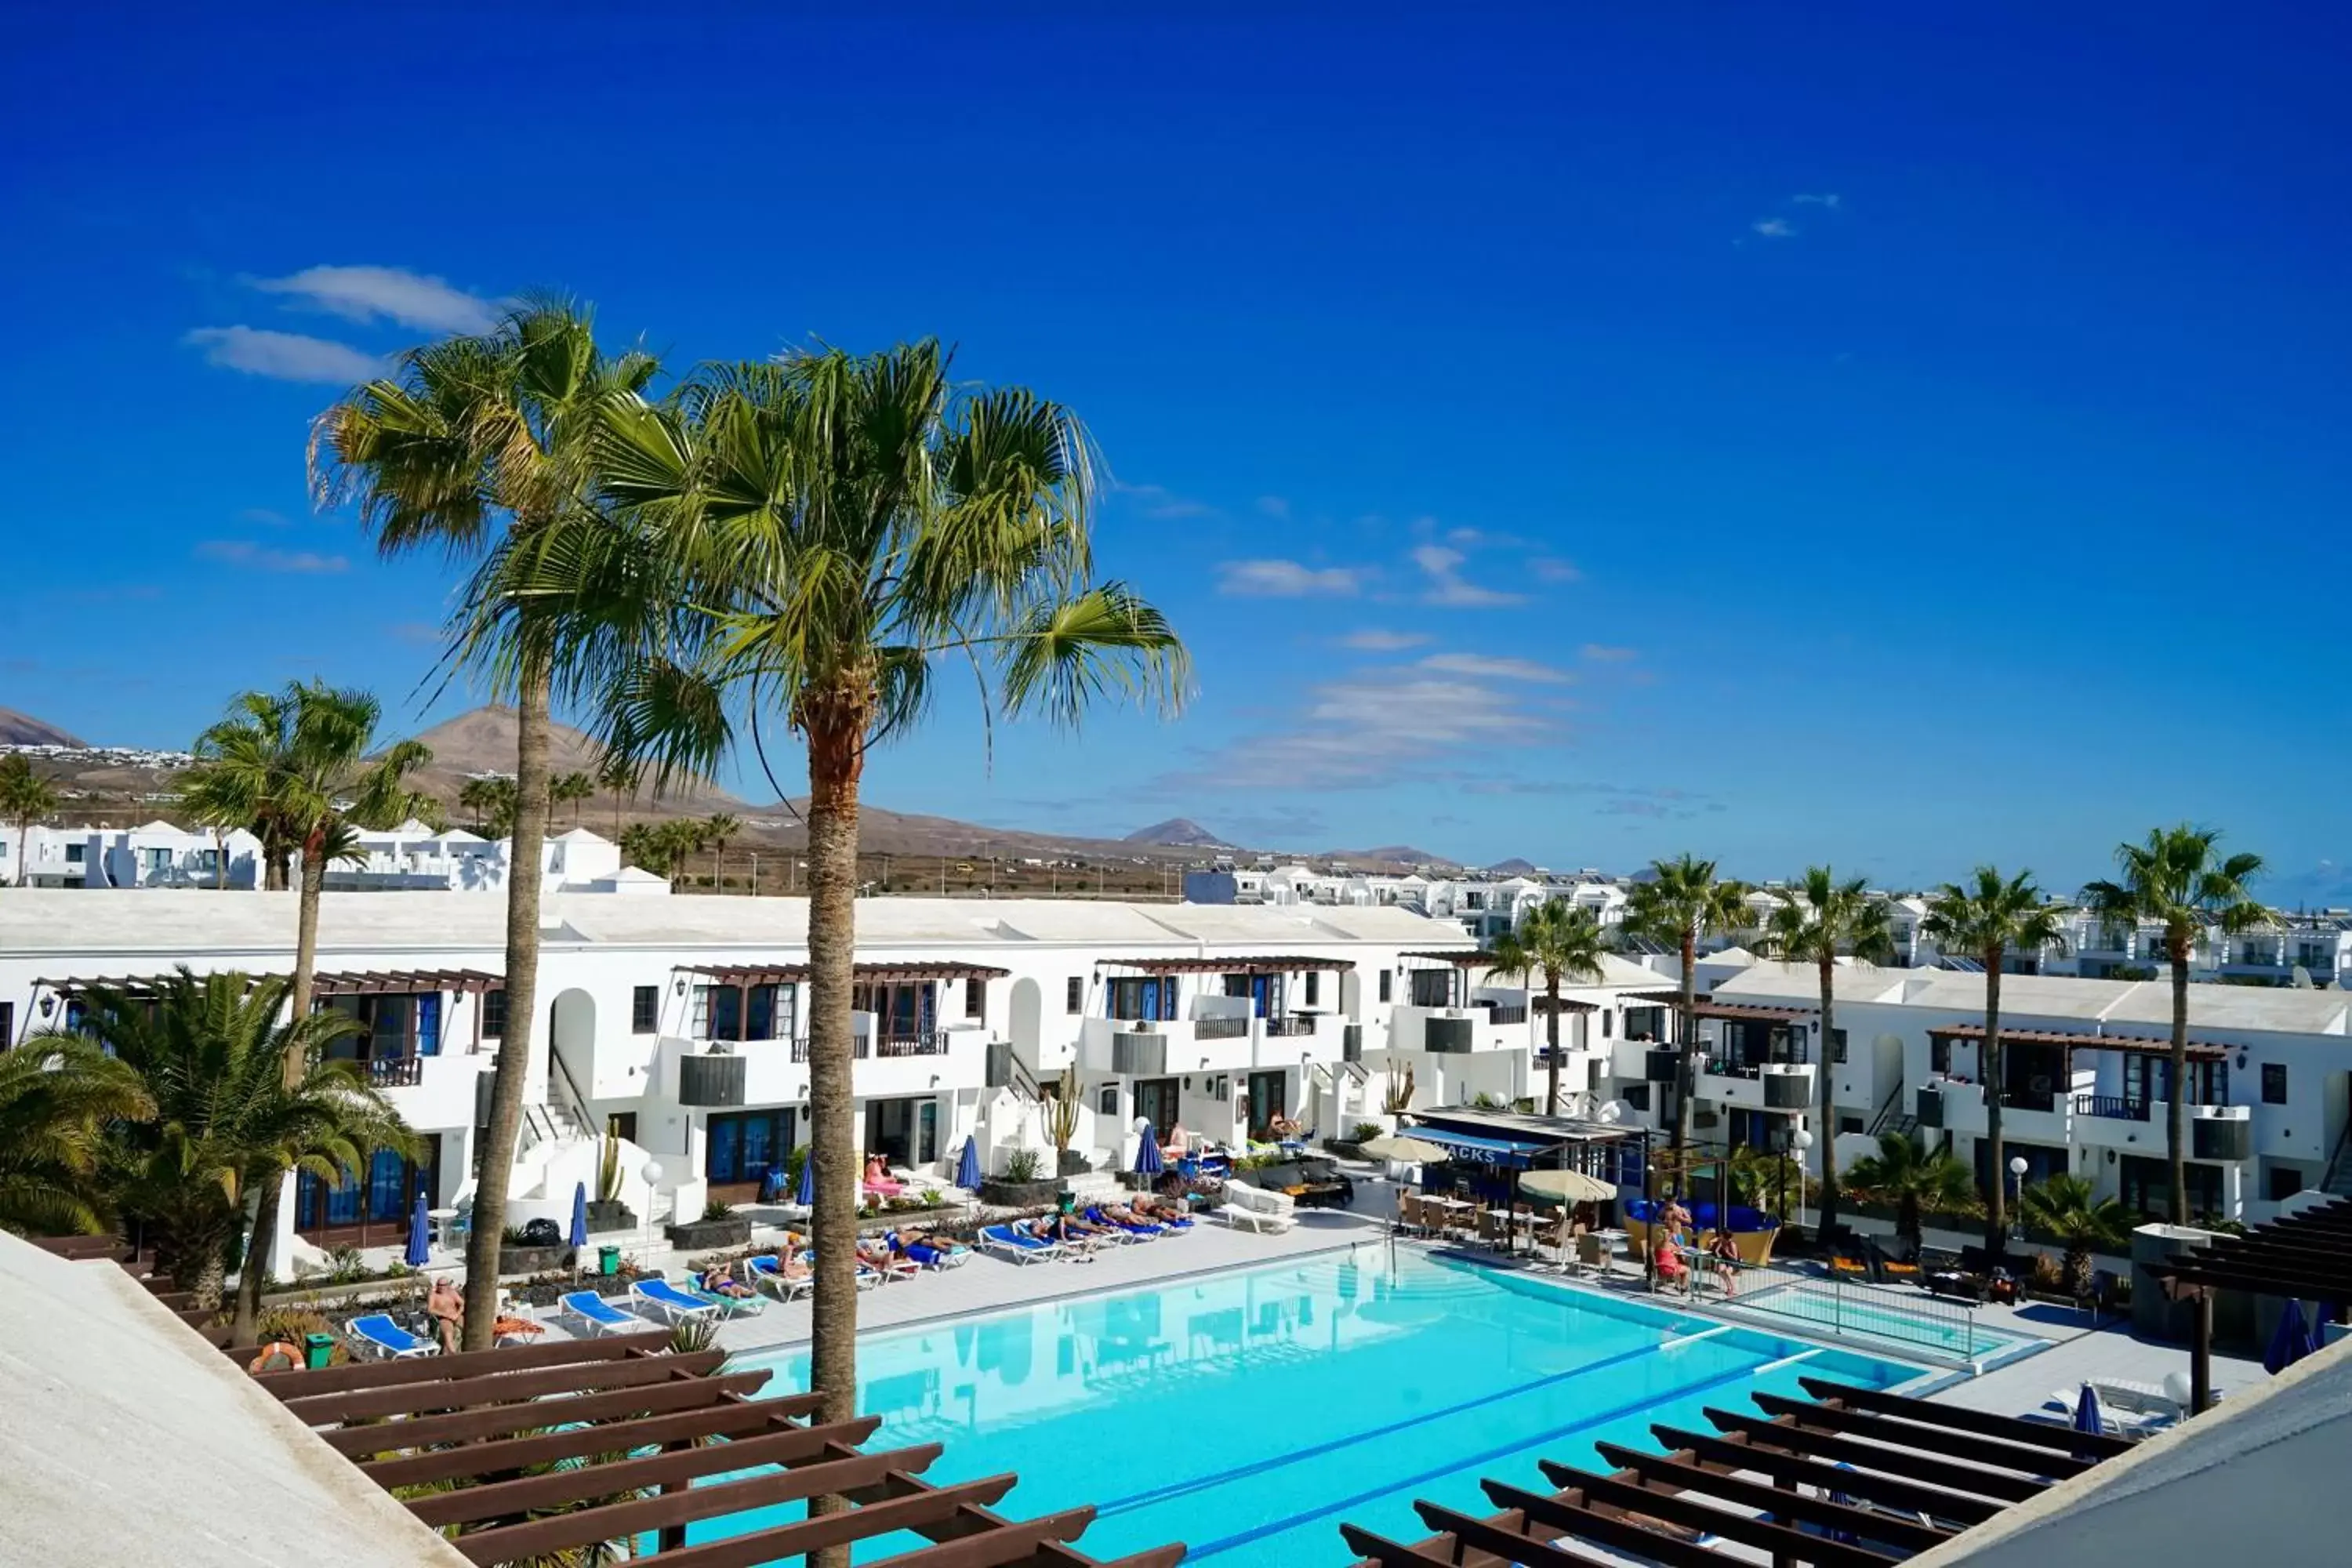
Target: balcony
1157, 1049
1764, 1086
1458, 1030
2030, 1116
757, 1072
1298, 1038
2143, 1127
435, 1092
708, 1080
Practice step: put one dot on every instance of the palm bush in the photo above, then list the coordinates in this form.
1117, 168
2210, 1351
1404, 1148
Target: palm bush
1912, 1180
1554, 941
56, 1098
2061, 1207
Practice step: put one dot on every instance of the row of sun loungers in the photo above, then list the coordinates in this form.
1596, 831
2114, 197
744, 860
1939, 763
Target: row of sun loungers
1089, 1234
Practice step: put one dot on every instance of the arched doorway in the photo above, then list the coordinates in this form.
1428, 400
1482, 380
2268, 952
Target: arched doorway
572, 1051
1028, 1020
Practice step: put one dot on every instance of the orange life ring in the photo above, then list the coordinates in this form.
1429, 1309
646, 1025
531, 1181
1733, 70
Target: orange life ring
271, 1352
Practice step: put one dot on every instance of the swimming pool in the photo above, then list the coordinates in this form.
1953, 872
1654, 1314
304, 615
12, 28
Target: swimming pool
1944, 1329
1247, 1414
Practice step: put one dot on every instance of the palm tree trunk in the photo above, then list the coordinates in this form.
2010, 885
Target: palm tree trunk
836, 733
2176, 1131
1825, 1139
24, 852
1552, 1037
1997, 1188
1685, 1075
254, 1274
494, 1167
313, 869
220, 862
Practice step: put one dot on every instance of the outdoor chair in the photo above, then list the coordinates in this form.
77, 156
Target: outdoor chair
597, 1316
766, 1275
675, 1305
379, 1335
1006, 1242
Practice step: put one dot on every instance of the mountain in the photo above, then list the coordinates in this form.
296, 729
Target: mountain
1177, 833
1514, 866
24, 730
1391, 855
483, 742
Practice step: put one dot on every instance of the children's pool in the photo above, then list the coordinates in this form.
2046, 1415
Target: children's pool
1247, 1414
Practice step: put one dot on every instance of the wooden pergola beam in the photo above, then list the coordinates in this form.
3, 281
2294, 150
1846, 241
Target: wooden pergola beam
1632, 1498
1995, 1453
726, 1418
1960, 1418
1678, 1471
498, 1421
913, 1512
355, 1376
1834, 1445
501, 1388
1796, 1469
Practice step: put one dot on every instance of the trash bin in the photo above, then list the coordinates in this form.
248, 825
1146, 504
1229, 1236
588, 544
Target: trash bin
318, 1350
608, 1260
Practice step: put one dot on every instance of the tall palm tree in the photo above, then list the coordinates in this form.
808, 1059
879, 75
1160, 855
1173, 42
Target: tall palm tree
1988, 922
1682, 904
2179, 880
56, 1100
490, 797
479, 447
841, 523
718, 828
209, 1054
1904, 1173
618, 776
1561, 942
1822, 919
25, 798
570, 789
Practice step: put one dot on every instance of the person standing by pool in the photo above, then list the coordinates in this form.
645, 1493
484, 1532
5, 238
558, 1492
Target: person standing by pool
447, 1310
1726, 1254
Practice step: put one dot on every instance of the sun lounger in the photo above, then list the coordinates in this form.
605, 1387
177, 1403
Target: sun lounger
597, 1316
768, 1276
1258, 1209
1007, 1242
929, 1257
377, 1333
1124, 1231
731, 1305
675, 1305
893, 1268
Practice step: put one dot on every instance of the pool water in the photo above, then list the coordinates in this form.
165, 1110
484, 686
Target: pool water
1248, 1414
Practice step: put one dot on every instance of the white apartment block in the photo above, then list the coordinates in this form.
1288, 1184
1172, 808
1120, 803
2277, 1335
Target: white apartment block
1483, 907
681, 1022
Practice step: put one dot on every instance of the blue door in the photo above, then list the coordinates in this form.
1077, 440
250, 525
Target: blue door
428, 1025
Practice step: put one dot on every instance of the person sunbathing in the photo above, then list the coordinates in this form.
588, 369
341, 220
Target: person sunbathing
1161, 1211
718, 1279
788, 1262
874, 1253
1120, 1214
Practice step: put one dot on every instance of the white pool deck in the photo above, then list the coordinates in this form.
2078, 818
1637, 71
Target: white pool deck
2077, 1350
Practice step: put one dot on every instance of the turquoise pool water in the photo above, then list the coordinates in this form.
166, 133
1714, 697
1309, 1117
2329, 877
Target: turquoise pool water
1248, 1414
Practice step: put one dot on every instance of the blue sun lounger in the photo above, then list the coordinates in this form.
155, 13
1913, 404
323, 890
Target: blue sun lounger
1005, 1241
378, 1332
675, 1305
598, 1316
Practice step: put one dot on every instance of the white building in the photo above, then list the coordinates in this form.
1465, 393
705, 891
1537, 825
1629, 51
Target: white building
411, 858
155, 856
680, 1022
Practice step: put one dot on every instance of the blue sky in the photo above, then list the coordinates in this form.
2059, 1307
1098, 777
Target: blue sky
1782, 433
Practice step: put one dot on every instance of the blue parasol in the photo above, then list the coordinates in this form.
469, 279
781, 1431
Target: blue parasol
2290, 1342
579, 1237
2086, 1412
1146, 1153
806, 1195
967, 1167
420, 1246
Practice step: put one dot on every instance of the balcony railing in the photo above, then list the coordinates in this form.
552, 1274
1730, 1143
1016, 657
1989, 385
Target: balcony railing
1291, 1026
1224, 1026
2113, 1107
931, 1043
2025, 1099
1508, 1013
395, 1072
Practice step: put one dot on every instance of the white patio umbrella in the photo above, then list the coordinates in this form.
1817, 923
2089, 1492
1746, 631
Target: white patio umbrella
1398, 1149
1568, 1186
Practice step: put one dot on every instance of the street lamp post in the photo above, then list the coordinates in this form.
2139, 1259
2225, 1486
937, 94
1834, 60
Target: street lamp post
2016, 1193
1800, 1139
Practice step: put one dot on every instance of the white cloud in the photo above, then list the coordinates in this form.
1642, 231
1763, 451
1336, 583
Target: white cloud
1274, 507
1825, 199
284, 356
1486, 666
1158, 501
387, 293
263, 516
1774, 227
1601, 652
1441, 565
1286, 579
1552, 569
1379, 639
261, 558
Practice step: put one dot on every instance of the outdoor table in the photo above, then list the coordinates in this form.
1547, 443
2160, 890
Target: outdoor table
442, 1219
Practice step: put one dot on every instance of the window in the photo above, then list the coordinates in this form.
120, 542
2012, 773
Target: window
7, 1024
1143, 997
159, 861
1607, 1021
2273, 1083
1313, 988
2284, 1181
494, 1015
1837, 1046
1384, 985
73, 854
1849, 1123
975, 998
1076, 994
1109, 1102
645, 1010
1939, 1054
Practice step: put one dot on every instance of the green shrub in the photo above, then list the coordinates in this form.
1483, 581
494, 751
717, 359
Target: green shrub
931, 1198
346, 1267
1365, 1131
716, 1211
1022, 1165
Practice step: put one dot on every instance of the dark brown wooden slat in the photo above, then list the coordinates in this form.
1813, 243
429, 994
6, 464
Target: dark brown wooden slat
2268, 1282
300, 1383
466, 1426
580, 1483
915, 1511
1966, 1478
1389, 1553
1674, 1509
1984, 1423
1002, 1547
639, 1516
1996, 1452
1158, 1557
1503, 1541
1887, 1491
723, 1419
1671, 1470
504, 1388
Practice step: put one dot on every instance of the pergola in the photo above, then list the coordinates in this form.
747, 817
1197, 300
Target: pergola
1738, 1012
2305, 1256
2143, 1045
1851, 1478
1460, 958
1286, 964
876, 973
325, 983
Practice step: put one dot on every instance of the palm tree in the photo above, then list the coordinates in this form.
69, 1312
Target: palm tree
56, 1100
570, 789
1822, 919
1912, 1178
839, 524
2061, 1206
717, 829
470, 435
1558, 941
1680, 905
1988, 922
209, 1054
25, 798
491, 798
2178, 880
618, 775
